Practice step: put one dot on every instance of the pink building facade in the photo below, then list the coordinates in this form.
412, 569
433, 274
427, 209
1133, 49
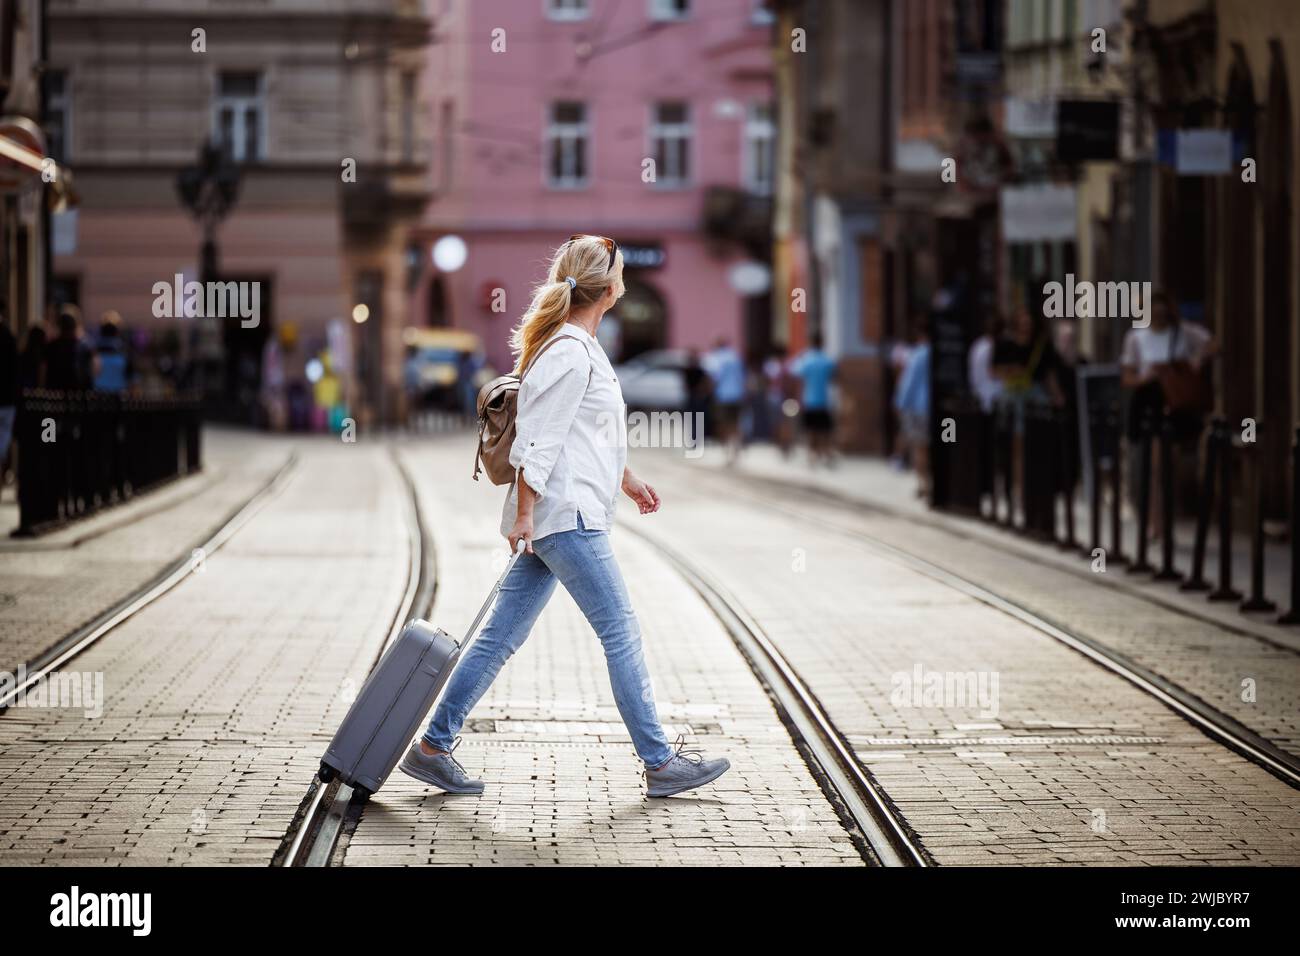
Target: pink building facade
646, 120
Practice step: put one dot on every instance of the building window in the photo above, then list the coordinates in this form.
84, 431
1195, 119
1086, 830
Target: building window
240, 116
566, 146
567, 9
408, 116
669, 9
760, 142
670, 143
446, 130
58, 115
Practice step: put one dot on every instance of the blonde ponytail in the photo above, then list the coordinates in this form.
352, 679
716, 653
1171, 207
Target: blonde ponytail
578, 275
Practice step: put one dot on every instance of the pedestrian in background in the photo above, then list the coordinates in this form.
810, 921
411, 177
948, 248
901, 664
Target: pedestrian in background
774, 386
31, 364
727, 370
1164, 366
1026, 362
699, 391
757, 424
899, 353
816, 370
68, 358
912, 401
986, 386
112, 364
9, 386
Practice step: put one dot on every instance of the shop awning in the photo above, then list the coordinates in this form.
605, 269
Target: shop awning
23, 159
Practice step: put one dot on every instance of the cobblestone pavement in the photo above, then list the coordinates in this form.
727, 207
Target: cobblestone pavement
1251, 675
52, 585
218, 696
1070, 764
563, 783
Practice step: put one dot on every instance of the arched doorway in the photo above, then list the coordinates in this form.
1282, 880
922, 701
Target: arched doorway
1276, 171
641, 317
1237, 322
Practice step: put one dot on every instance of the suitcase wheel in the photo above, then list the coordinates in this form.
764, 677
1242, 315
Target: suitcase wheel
361, 794
327, 773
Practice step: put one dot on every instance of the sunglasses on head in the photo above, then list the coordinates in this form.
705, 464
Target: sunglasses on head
610, 244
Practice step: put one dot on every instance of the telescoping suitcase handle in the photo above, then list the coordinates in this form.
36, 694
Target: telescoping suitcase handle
478, 618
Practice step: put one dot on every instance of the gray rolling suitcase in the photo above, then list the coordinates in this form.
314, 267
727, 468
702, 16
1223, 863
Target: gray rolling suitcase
395, 700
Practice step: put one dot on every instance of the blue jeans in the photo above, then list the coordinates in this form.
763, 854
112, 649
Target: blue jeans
583, 561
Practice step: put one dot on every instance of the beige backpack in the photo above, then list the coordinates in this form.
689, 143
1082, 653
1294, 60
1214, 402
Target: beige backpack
497, 401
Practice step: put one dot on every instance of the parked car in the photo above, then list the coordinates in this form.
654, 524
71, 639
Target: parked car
654, 380
444, 367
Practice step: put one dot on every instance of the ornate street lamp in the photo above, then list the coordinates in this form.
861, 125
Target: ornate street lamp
208, 190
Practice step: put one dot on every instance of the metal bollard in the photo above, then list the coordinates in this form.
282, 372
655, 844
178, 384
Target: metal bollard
1094, 505
1225, 590
1140, 563
1167, 572
1196, 580
1257, 601
1293, 616
1117, 556
1006, 441
1068, 476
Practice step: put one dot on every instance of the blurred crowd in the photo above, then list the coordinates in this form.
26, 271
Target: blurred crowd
1027, 364
777, 398
60, 353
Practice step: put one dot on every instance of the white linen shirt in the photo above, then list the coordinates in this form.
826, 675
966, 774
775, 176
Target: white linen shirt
570, 437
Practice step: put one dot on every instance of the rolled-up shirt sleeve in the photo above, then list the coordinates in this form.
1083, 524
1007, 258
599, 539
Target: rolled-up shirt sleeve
548, 402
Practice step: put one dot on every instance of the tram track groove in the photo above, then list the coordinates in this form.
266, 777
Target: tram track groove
331, 809
862, 803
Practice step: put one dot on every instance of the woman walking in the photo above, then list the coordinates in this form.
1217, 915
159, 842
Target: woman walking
569, 455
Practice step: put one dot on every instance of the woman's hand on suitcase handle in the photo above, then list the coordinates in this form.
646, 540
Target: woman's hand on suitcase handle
522, 533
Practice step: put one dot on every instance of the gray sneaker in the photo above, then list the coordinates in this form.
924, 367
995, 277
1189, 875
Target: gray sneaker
441, 770
685, 770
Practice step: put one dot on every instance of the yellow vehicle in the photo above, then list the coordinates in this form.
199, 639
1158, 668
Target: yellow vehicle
444, 368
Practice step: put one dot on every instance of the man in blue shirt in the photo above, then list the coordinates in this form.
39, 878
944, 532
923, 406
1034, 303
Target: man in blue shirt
816, 369
112, 365
912, 400
727, 370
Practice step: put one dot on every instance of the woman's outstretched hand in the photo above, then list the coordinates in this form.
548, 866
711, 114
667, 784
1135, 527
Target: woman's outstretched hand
646, 498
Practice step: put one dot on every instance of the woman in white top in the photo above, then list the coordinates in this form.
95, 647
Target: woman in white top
1166, 340
570, 456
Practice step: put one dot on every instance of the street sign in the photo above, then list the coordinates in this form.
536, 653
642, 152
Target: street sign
1042, 212
1203, 152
